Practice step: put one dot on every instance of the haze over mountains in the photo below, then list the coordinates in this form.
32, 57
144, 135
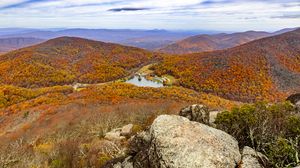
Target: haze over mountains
9, 44
173, 42
148, 39
201, 43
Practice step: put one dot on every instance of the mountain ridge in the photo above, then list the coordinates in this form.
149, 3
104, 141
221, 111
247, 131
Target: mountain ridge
9, 44
205, 42
262, 69
65, 60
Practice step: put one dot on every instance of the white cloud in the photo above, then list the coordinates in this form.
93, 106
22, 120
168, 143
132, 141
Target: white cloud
9, 2
169, 14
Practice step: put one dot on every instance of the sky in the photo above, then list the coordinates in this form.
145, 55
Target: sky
225, 15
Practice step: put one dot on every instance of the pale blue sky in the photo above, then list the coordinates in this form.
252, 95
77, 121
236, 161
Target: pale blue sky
225, 15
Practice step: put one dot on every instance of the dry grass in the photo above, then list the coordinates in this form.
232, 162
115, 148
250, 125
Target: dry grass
68, 131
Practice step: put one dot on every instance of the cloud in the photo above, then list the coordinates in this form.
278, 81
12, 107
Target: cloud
127, 9
296, 16
165, 14
11, 2
210, 2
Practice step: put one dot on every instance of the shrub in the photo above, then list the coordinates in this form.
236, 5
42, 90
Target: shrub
293, 125
265, 127
103, 158
284, 152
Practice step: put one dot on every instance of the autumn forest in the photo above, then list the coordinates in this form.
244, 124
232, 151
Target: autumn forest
61, 96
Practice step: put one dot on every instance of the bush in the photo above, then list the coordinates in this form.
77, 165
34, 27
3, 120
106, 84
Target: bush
284, 153
264, 128
293, 125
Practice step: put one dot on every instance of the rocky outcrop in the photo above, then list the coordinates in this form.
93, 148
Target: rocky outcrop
251, 158
196, 112
176, 142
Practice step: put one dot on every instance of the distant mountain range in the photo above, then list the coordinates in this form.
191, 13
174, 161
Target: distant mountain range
159, 40
147, 39
201, 43
262, 69
9, 44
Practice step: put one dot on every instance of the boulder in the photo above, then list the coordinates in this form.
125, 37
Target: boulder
196, 112
120, 134
251, 158
295, 99
212, 116
115, 135
176, 142
127, 130
297, 104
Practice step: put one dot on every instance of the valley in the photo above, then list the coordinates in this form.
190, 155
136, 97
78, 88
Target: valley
149, 84
60, 99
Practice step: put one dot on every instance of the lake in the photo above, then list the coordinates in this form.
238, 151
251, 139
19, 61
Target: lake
143, 82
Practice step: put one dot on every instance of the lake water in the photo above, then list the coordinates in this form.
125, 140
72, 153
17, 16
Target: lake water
143, 82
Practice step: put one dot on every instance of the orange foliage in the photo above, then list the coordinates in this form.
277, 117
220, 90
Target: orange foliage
10, 95
66, 60
245, 73
21, 99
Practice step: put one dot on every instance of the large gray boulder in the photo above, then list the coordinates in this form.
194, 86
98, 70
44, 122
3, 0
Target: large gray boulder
176, 142
196, 112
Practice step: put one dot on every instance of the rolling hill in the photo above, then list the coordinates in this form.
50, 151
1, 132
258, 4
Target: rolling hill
203, 43
260, 70
9, 44
147, 39
66, 60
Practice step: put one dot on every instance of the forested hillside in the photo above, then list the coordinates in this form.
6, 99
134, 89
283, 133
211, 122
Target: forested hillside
202, 43
264, 69
67, 60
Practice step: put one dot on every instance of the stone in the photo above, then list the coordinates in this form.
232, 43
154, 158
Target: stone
196, 112
250, 158
297, 104
114, 135
295, 100
127, 130
125, 164
176, 142
120, 134
213, 116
